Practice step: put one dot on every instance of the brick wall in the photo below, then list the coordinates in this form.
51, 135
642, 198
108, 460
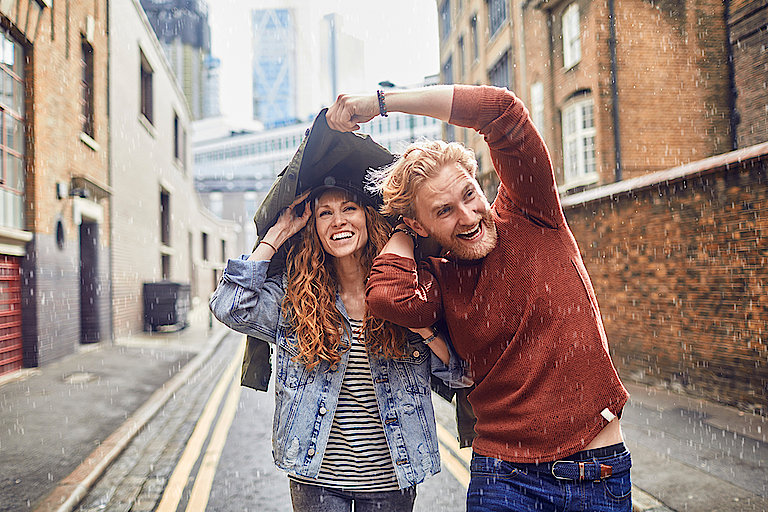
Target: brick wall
680, 270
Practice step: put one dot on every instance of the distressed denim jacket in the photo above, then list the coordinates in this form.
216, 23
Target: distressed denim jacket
305, 401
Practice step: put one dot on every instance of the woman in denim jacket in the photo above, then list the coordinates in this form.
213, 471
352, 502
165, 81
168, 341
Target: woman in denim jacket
353, 414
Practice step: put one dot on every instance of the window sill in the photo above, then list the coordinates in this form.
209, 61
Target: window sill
566, 69
89, 141
167, 250
584, 181
147, 125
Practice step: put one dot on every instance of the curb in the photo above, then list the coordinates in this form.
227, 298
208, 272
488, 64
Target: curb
73, 488
644, 502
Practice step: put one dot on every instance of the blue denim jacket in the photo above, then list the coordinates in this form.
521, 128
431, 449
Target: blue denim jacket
305, 401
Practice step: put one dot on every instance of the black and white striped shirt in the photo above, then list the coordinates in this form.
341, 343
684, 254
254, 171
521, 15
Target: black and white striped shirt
357, 456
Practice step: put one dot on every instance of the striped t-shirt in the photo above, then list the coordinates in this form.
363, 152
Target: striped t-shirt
357, 456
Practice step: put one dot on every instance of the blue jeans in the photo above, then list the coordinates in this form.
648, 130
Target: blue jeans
564, 485
316, 498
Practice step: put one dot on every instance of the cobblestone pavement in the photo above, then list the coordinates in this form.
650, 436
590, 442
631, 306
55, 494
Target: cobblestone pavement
136, 481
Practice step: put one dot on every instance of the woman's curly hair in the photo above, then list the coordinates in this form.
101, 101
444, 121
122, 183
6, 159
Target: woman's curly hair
310, 298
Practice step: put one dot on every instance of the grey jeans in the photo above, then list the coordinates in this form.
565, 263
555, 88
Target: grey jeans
316, 498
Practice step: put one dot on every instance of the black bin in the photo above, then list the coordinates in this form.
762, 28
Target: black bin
166, 303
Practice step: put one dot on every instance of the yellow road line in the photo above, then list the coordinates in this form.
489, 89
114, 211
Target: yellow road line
201, 491
457, 467
180, 475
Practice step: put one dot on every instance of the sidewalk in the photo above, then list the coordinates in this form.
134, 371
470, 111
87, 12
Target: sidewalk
692, 454
62, 424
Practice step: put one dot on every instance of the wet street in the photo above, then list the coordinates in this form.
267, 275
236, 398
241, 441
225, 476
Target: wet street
206, 443
210, 449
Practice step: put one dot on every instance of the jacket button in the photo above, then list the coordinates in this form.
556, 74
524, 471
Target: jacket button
323, 410
415, 353
311, 452
333, 367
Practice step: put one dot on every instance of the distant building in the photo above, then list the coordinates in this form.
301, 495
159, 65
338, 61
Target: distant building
274, 66
182, 28
212, 88
234, 169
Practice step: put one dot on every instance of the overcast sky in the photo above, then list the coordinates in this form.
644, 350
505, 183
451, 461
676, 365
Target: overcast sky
400, 37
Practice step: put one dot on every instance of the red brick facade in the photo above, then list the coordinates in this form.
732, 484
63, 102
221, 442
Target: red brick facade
680, 268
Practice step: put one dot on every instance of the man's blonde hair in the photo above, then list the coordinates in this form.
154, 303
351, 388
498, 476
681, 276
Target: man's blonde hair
399, 183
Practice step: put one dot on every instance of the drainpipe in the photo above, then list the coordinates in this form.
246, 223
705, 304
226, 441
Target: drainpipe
732, 91
614, 88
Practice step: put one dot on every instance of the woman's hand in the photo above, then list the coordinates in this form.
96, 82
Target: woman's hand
287, 225
349, 110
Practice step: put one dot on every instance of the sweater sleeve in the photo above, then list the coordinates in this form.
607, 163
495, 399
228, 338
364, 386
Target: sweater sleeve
519, 154
403, 293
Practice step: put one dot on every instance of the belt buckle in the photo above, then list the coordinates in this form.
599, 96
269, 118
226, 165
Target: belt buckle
553, 470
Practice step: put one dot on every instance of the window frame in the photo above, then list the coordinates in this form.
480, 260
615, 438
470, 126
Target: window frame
571, 35
497, 15
146, 75
501, 64
87, 86
579, 167
537, 105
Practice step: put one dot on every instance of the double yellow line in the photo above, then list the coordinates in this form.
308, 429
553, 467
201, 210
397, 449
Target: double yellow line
201, 490
454, 459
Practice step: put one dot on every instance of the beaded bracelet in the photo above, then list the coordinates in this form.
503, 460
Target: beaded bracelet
382, 105
408, 231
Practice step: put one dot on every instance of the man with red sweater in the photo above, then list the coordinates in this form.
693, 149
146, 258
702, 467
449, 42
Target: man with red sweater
513, 290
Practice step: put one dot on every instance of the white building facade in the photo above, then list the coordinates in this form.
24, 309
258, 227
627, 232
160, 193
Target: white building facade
160, 230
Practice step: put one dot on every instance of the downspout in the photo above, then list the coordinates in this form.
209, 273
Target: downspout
614, 88
732, 91
110, 236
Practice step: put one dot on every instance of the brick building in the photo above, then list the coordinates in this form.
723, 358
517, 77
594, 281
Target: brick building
160, 230
627, 94
54, 196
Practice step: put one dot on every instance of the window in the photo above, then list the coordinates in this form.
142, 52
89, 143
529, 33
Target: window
475, 42
205, 246
86, 87
579, 144
165, 218
179, 140
497, 14
571, 36
165, 265
445, 18
223, 250
217, 204
176, 141
12, 139
461, 54
146, 88
499, 73
537, 105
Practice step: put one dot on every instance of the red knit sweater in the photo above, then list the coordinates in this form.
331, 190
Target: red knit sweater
525, 317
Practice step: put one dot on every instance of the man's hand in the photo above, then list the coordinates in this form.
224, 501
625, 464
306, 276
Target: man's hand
348, 111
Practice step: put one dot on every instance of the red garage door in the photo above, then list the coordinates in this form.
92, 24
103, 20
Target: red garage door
10, 314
